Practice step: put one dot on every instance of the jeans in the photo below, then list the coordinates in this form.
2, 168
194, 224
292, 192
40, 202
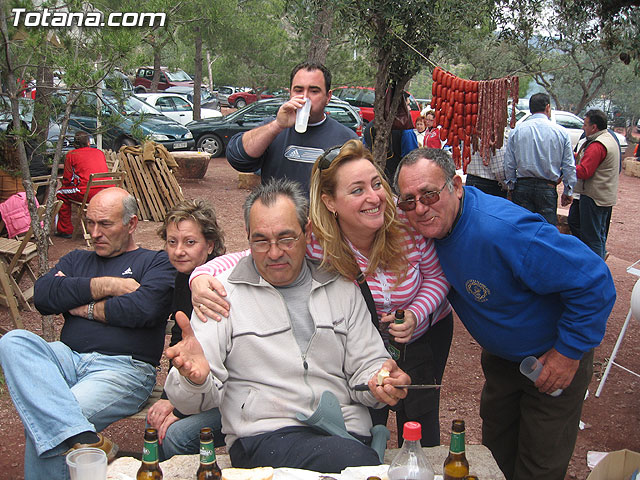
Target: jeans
537, 196
491, 187
590, 223
183, 436
59, 393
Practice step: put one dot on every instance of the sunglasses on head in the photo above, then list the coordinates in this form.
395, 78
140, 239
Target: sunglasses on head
427, 198
324, 160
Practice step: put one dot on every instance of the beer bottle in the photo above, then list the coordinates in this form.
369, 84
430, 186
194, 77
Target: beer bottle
150, 468
396, 350
456, 465
209, 469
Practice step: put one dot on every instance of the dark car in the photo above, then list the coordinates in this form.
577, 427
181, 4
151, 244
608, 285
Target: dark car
212, 135
26, 115
241, 99
363, 98
126, 121
144, 76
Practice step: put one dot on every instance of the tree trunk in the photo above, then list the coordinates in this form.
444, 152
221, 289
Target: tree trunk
319, 46
156, 69
42, 107
198, 74
209, 62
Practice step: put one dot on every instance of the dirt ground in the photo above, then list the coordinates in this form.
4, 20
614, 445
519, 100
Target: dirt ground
611, 422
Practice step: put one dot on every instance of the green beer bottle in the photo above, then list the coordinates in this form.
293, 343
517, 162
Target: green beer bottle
209, 469
456, 465
150, 468
395, 349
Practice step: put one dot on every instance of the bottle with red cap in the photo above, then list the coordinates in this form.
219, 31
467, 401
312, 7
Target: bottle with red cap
411, 463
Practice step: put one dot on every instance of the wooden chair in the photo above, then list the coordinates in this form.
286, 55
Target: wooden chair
15, 261
106, 179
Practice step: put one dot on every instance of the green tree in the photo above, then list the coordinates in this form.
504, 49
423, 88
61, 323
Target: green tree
85, 56
401, 36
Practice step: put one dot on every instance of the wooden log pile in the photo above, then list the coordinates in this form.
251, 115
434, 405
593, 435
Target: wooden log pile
149, 178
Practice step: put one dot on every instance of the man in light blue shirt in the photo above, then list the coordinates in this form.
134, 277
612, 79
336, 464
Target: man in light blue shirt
538, 155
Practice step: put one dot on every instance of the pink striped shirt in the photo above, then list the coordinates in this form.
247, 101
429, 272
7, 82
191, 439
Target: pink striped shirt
423, 291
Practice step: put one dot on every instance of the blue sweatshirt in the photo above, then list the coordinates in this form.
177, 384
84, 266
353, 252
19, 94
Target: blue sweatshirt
521, 287
136, 321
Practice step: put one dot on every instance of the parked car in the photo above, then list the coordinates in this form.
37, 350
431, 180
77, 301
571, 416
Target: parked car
144, 76
225, 91
213, 135
26, 115
241, 99
363, 97
124, 121
208, 99
573, 124
176, 106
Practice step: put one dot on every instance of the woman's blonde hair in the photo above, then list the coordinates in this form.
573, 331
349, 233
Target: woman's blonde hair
387, 251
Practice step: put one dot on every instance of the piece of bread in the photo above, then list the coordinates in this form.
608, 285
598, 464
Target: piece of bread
258, 473
382, 374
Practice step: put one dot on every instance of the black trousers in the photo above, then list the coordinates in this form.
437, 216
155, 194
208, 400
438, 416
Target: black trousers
424, 362
302, 447
530, 434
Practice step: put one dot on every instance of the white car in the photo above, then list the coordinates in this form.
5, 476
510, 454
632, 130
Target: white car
573, 124
176, 106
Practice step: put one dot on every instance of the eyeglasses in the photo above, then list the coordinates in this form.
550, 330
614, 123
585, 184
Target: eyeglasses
324, 160
263, 246
427, 198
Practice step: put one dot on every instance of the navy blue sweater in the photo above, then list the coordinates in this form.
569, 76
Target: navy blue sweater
521, 287
136, 321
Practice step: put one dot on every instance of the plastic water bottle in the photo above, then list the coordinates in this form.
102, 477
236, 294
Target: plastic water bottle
411, 463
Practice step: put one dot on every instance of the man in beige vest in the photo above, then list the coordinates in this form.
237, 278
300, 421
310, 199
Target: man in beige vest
597, 170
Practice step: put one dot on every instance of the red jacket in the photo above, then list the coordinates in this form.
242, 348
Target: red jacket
79, 164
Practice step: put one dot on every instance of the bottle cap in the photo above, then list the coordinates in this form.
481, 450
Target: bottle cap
457, 426
412, 431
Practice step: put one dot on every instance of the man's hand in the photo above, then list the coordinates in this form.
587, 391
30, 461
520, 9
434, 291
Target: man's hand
401, 332
386, 392
286, 116
565, 200
102, 287
206, 296
160, 416
557, 371
187, 355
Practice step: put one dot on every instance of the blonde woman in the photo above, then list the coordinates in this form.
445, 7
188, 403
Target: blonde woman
357, 229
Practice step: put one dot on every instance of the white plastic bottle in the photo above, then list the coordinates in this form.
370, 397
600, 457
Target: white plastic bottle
411, 463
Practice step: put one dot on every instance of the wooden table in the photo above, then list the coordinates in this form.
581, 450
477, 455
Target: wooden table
183, 467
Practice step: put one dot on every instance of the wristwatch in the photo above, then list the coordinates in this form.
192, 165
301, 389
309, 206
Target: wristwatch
90, 310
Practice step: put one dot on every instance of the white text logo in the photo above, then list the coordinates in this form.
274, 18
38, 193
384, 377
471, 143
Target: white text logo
47, 18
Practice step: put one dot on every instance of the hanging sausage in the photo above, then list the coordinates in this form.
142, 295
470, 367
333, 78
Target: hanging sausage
472, 113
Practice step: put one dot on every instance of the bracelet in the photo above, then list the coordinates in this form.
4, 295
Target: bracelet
90, 310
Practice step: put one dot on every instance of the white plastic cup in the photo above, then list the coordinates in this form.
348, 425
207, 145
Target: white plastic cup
302, 116
87, 464
531, 367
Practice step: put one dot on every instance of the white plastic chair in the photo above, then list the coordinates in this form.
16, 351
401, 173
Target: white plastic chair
634, 311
